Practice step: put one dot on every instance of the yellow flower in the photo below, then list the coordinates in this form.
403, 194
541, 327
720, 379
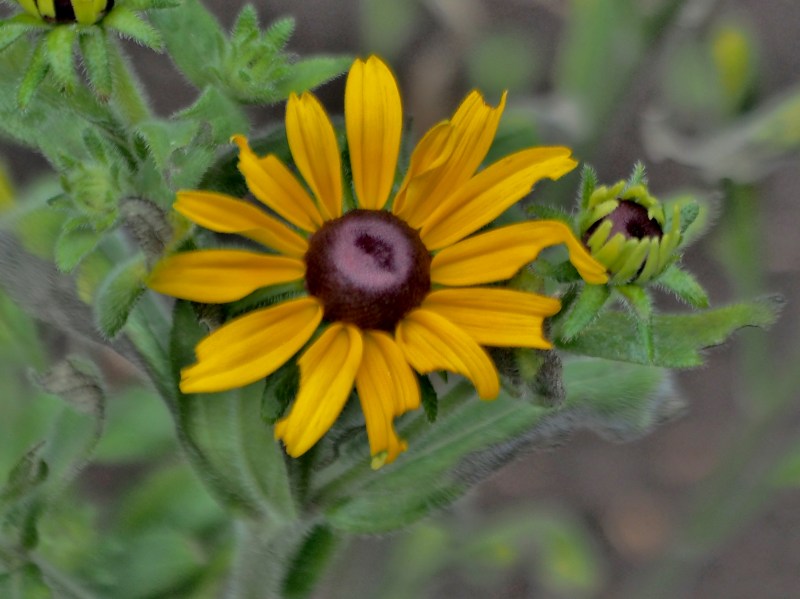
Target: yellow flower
391, 289
85, 12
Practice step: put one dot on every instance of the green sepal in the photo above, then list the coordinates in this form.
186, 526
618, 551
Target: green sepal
60, 55
12, 29
472, 438
130, 25
35, 73
678, 339
308, 73
309, 563
641, 305
151, 4
590, 301
118, 294
684, 286
96, 59
77, 239
428, 398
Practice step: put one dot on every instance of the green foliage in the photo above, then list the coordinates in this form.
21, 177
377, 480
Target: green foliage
118, 294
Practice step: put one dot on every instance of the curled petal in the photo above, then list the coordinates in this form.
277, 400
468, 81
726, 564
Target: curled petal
276, 187
498, 254
224, 214
312, 141
374, 122
473, 127
431, 342
219, 276
387, 388
327, 371
252, 346
495, 317
489, 193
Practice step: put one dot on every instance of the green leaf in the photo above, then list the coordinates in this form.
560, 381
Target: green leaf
684, 285
77, 239
472, 438
587, 306
430, 402
24, 582
118, 294
308, 73
309, 563
231, 445
132, 26
95, 54
26, 475
225, 116
60, 55
194, 39
678, 339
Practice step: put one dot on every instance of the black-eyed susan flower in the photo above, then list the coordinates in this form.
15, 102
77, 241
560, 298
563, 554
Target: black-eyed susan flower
627, 229
396, 285
85, 12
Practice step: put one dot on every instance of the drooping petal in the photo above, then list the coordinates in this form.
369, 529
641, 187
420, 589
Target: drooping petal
374, 122
276, 187
429, 156
496, 317
489, 193
327, 371
498, 254
315, 151
431, 342
219, 276
252, 346
474, 125
387, 388
224, 214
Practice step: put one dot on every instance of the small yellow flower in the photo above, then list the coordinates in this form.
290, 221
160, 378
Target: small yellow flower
392, 286
85, 12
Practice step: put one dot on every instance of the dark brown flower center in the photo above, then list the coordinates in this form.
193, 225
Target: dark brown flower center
368, 268
630, 219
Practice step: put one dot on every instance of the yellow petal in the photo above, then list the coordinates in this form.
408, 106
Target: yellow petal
474, 125
428, 158
489, 193
500, 253
387, 388
224, 214
374, 121
496, 317
327, 371
431, 342
315, 151
252, 346
219, 276
275, 185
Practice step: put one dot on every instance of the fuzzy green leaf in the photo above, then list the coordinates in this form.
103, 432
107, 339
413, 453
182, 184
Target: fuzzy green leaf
308, 73
590, 301
230, 444
132, 26
76, 241
678, 339
472, 438
684, 285
26, 475
118, 294
193, 39
95, 53
309, 563
225, 116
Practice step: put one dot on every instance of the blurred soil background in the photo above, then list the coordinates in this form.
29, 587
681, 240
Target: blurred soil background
662, 512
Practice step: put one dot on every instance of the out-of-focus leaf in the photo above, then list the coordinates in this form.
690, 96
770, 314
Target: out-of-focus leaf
678, 339
502, 61
308, 73
118, 294
744, 151
787, 471
388, 25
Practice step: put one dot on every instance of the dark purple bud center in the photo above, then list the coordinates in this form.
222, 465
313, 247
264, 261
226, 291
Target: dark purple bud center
630, 219
368, 268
